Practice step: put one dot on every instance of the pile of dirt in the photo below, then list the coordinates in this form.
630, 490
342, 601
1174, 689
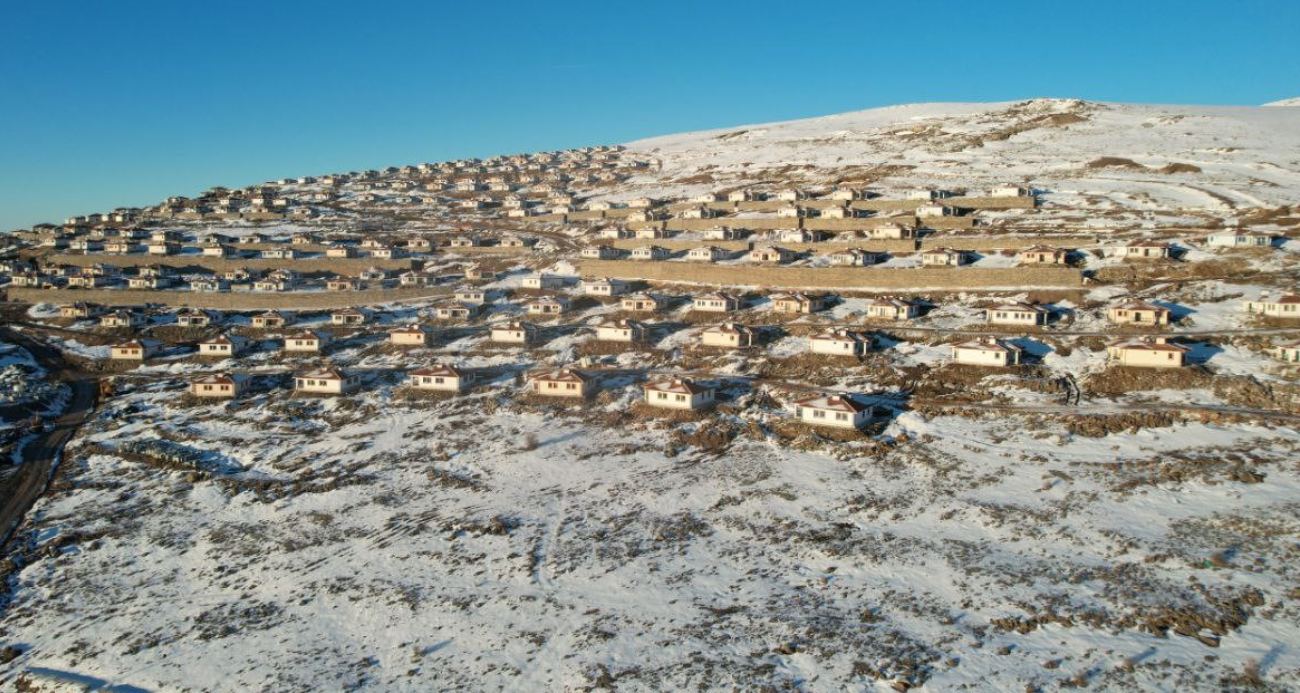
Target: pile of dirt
1114, 162
1175, 167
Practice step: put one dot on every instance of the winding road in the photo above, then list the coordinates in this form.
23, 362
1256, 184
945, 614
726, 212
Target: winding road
41, 454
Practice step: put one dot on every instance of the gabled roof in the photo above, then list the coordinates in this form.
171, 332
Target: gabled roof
326, 373
680, 386
308, 334
515, 325
840, 403
1140, 305
562, 375
729, 328
1148, 244
1149, 345
409, 329
215, 379
717, 296
1021, 307
439, 370
988, 344
624, 324
223, 339
839, 334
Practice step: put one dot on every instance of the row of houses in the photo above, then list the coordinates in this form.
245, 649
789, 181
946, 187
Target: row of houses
846, 257
672, 392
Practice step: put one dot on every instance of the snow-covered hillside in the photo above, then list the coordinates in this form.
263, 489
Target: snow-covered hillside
1181, 156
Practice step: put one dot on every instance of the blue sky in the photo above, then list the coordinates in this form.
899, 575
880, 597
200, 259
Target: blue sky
112, 104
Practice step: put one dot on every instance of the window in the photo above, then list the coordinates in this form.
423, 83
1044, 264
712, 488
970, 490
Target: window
841, 416
681, 398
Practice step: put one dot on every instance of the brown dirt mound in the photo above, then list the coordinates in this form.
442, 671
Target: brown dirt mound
1113, 162
1174, 167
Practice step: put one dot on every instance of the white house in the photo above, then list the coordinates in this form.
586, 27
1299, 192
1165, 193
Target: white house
453, 310
268, 320
629, 331
193, 317
134, 350
650, 252
833, 411
1286, 306
441, 378
1042, 255
1148, 353
772, 254
1146, 250
514, 333
1022, 314
1011, 191
542, 280
856, 257
1138, 313
986, 351
1237, 238
409, 335
839, 342
728, 335
606, 286
716, 302
706, 253
221, 385
1289, 352
308, 341
600, 252
640, 303
548, 305
564, 382
679, 393
945, 257
326, 381
223, 346
349, 317
892, 232
797, 302
893, 309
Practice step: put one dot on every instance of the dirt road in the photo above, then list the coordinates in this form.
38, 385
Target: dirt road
40, 455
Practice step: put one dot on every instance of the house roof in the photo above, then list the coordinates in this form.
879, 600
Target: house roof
1021, 307
562, 375
223, 339
409, 329
215, 379
1148, 345
624, 324
717, 296
840, 403
839, 334
440, 370
988, 344
681, 386
891, 302
1040, 249
729, 328
515, 325
326, 373
1148, 244
1141, 305
307, 334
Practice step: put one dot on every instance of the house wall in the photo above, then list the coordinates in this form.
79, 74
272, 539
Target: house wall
670, 400
981, 357
828, 418
213, 390
429, 382
1143, 358
717, 339
835, 348
408, 339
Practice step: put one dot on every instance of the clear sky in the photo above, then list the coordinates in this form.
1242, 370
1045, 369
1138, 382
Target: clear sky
106, 104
